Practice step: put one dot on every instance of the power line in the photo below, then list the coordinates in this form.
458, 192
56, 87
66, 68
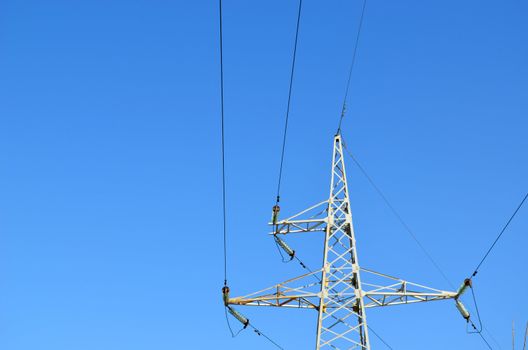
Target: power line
258, 332
407, 228
289, 102
492, 337
479, 330
354, 54
485, 341
397, 215
223, 142
499, 236
380, 338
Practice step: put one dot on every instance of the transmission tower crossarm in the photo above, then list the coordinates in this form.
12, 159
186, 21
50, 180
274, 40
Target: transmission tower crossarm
308, 220
297, 292
385, 290
398, 298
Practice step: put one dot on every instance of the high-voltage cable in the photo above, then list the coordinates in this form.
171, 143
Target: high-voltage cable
277, 200
500, 235
396, 214
225, 288
223, 141
476, 329
352, 63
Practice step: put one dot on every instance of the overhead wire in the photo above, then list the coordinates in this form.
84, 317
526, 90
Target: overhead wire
479, 329
283, 150
371, 181
343, 112
363, 171
377, 189
415, 238
485, 341
223, 141
492, 337
476, 329
224, 201
260, 333
379, 337
387, 202
352, 64
499, 236
392, 208
396, 214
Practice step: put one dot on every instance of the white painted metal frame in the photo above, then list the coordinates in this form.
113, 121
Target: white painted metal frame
336, 290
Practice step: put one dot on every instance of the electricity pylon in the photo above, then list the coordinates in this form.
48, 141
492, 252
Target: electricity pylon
340, 291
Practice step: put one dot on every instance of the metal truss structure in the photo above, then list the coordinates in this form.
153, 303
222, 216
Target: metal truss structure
340, 291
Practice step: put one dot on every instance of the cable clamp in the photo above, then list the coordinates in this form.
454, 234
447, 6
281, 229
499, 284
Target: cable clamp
225, 294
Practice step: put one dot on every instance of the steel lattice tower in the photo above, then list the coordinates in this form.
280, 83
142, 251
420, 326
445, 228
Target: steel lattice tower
340, 291
342, 316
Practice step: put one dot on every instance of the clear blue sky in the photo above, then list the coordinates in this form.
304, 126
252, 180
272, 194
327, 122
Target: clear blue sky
110, 205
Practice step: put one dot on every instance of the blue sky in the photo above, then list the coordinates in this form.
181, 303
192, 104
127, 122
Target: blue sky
110, 206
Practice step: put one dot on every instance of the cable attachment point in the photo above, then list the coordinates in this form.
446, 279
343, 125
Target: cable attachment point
275, 213
285, 247
225, 295
239, 316
463, 288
